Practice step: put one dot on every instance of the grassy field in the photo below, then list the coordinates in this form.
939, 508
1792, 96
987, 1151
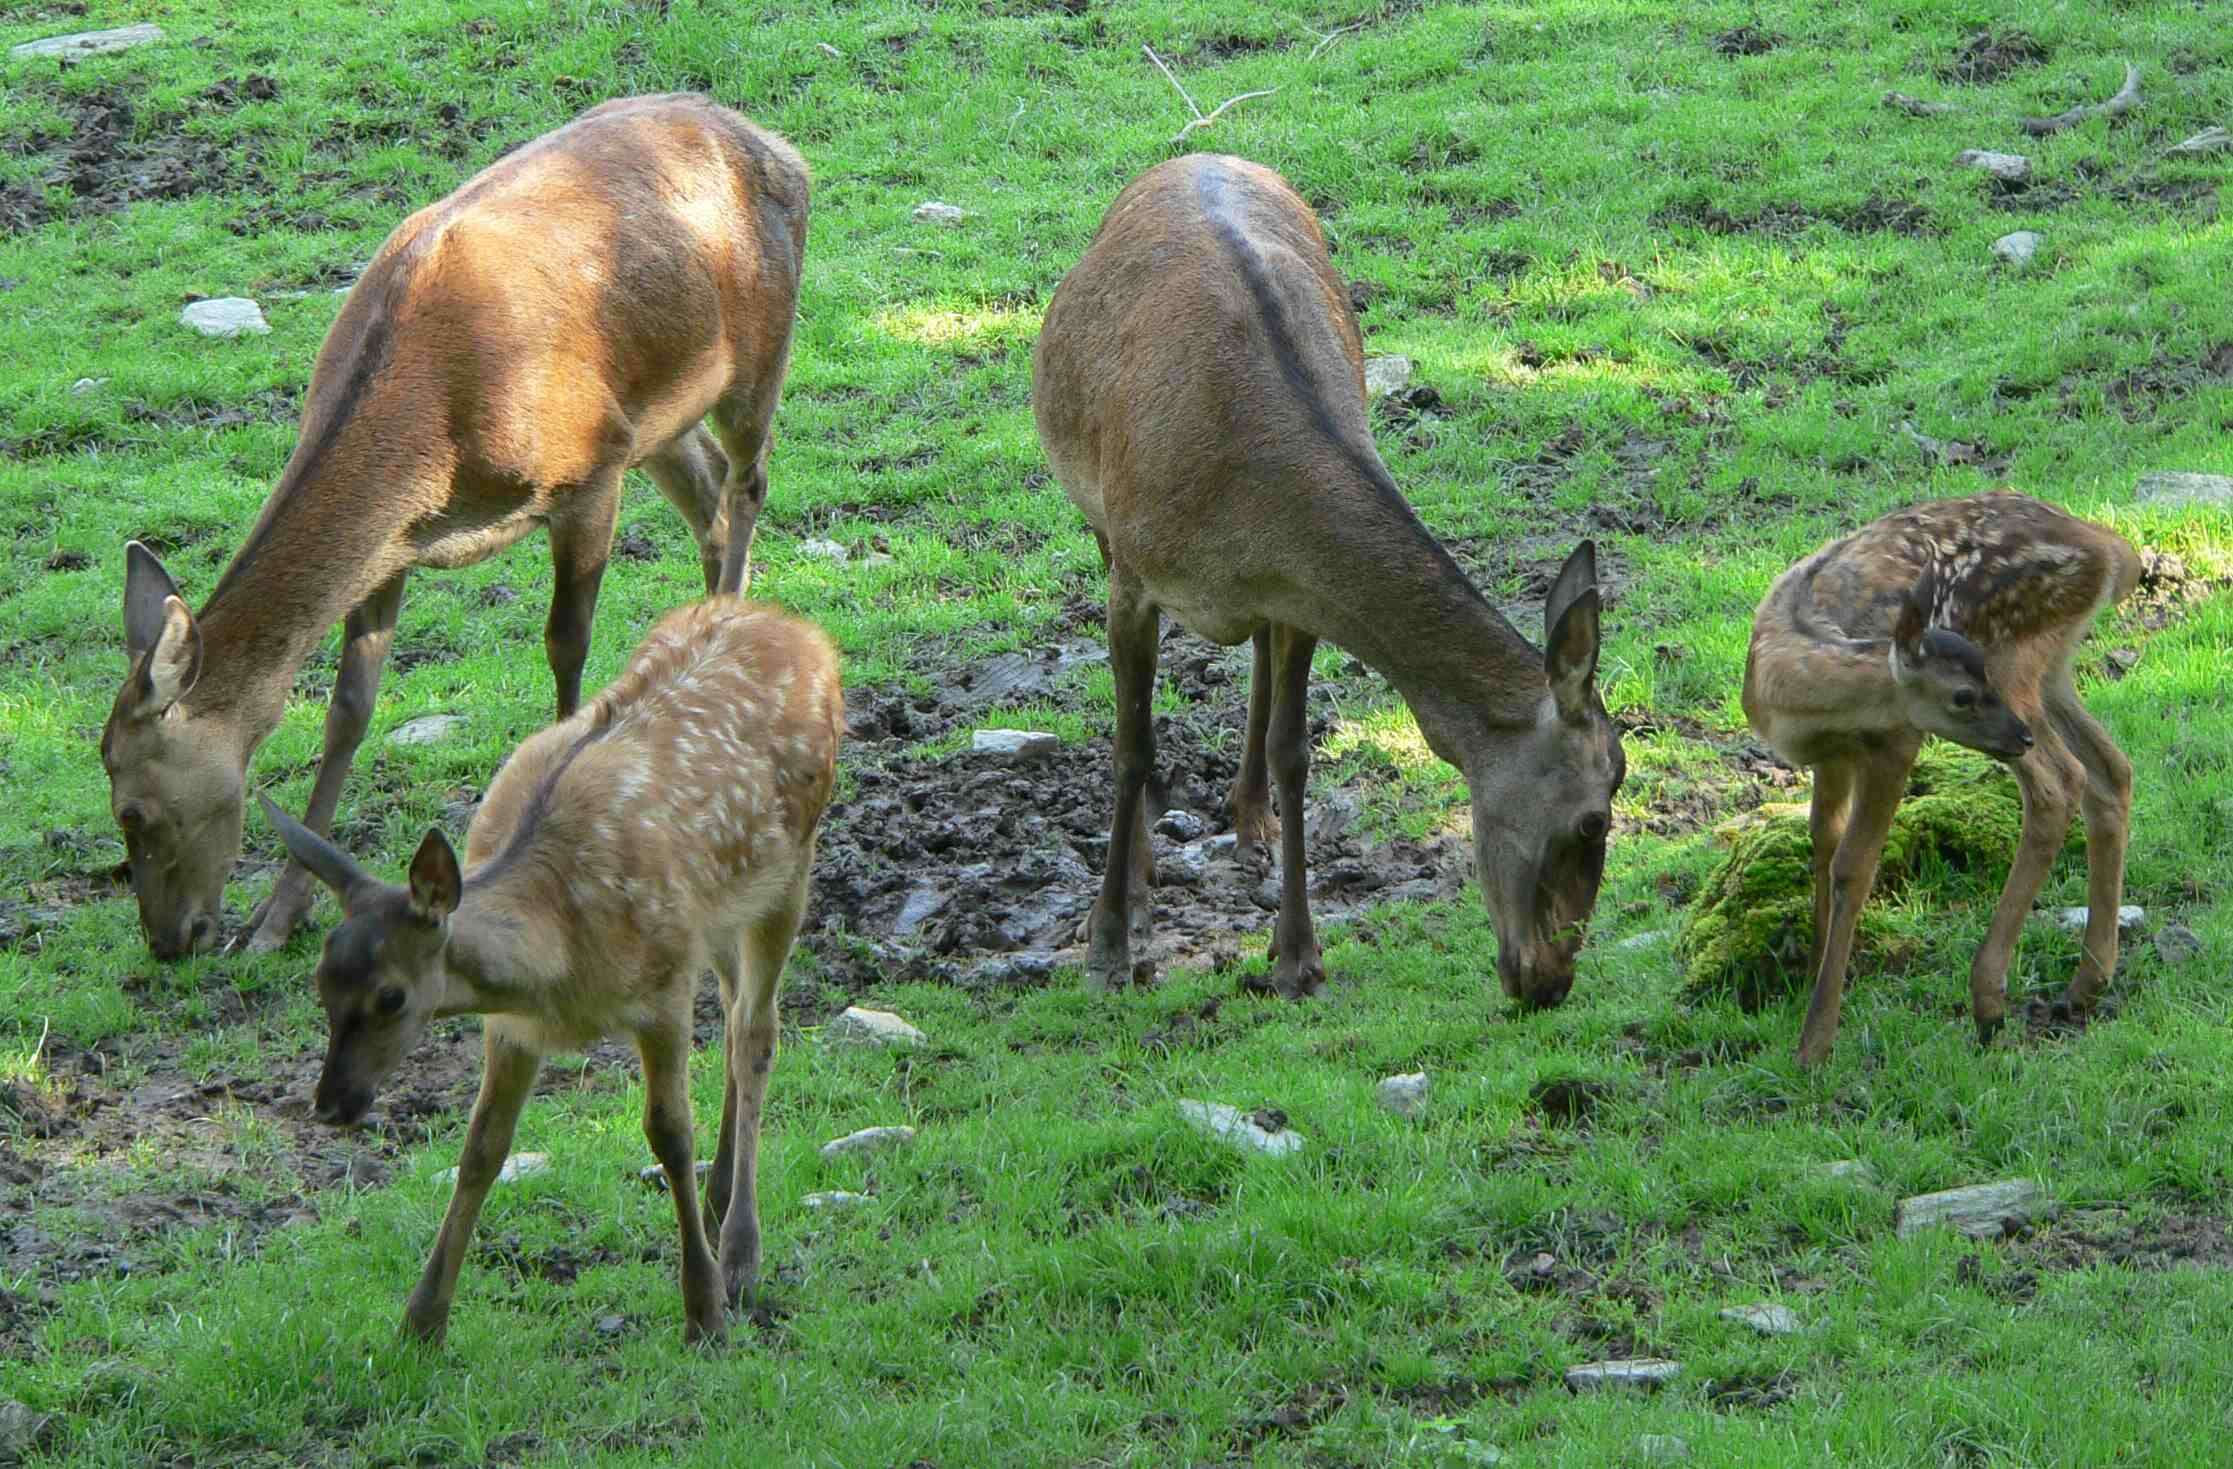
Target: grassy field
1676, 280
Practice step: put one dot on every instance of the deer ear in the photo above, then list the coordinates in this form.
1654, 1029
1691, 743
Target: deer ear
1577, 576
1570, 660
436, 883
173, 661
324, 861
147, 586
1907, 632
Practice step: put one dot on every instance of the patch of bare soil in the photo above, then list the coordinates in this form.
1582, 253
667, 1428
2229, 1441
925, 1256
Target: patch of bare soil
2143, 391
1873, 215
2085, 1237
1985, 57
1746, 40
103, 164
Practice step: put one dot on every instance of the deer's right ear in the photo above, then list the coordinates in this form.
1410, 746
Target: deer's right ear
1907, 632
147, 587
324, 861
171, 664
436, 883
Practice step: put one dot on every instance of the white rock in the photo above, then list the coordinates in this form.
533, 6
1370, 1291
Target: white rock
427, 729
1647, 1373
1662, 1448
2011, 168
2074, 919
1649, 938
516, 1167
1238, 1128
656, 1175
1765, 1317
835, 1198
1404, 1095
90, 43
858, 1027
1014, 744
824, 551
2209, 140
227, 316
2019, 247
2175, 943
868, 1140
1385, 375
86, 385
2173, 488
1981, 1211
878, 558
933, 212
1850, 1170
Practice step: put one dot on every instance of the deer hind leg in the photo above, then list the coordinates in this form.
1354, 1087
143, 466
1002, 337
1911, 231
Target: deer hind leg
1879, 781
1296, 970
1826, 818
365, 640
2050, 778
1124, 913
742, 419
2107, 805
665, 1048
1255, 828
581, 541
507, 1076
690, 473
751, 1035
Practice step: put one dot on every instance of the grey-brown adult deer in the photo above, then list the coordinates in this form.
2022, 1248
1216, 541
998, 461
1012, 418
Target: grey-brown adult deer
1959, 619
667, 825
573, 310
1199, 390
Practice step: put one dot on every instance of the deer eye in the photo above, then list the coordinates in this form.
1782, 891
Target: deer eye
1964, 698
390, 1002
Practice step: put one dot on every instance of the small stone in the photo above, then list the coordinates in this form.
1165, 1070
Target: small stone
656, 1175
1850, 1170
89, 43
2173, 488
2209, 140
1649, 939
2175, 943
859, 1027
1238, 1128
933, 212
1013, 744
1981, 1211
516, 1167
227, 316
427, 729
2019, 247
1404, 1095
1385, 375
1765, 1317
1662, 1448
824, 551
879, 558
611, 1325
2073, 920
1021, 967
921, 905
1182, 826
2009, 168
833, 1198
86, 385
22, 1432
1646, 1373
868, 1140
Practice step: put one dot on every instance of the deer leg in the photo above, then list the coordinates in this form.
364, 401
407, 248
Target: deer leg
727, 950
1833, 797
507, 1076
2107, 804
2050, 779
581, 542
665, 1048
1122, 915
1255, 828
365, 639
1296, 970
690, 473
751, 1031
742, 420
1878, 785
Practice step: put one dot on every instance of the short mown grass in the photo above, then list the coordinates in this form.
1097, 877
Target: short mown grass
1676, 286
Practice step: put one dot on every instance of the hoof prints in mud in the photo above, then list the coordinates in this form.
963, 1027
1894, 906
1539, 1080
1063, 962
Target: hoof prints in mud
105, 163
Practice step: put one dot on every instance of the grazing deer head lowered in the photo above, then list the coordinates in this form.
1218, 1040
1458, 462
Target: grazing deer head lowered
667, 826
1199, 391
575, 309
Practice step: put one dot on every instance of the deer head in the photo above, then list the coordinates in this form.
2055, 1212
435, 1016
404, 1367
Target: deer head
1943, 686
174, 781
384, 972
1542, 804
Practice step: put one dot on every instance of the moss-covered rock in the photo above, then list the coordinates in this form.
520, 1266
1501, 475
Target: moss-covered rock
1751, 926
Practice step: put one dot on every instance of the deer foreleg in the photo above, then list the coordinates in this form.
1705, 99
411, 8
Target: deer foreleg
1833, 792
581, 541
507, 1076
2050, 779
665, 1049
691, 472
1296, 969
2107, 804
1122, 916
751, 1034
1879, 783
1255, 828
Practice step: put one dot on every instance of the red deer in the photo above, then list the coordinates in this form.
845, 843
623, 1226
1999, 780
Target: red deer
573, 310
666, 826
1957, 619
1199, 390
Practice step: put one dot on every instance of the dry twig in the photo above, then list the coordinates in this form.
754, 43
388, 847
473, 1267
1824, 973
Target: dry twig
2127, 98
1200, 121
1916, 106
1327, 38
2209, 140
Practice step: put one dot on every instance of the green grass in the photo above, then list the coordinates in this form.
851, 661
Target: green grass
1643, 277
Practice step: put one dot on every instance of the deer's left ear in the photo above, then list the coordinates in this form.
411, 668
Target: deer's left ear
436, 883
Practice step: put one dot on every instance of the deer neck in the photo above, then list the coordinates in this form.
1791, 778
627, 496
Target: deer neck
499, 962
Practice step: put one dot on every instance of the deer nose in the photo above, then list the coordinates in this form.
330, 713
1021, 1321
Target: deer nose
200, 933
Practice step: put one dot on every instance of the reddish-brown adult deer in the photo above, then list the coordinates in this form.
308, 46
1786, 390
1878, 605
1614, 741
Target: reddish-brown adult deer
666, 826
575, 309
1199, 389
1959, 619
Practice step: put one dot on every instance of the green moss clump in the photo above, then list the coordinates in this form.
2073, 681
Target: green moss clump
1750, 928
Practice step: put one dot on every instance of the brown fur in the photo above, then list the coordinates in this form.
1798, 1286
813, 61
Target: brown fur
573, 310
2016, 581
666, 826
1199, 390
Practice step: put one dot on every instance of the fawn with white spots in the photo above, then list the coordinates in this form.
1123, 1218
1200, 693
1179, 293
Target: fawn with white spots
572, 311
667, 825
1960, 619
